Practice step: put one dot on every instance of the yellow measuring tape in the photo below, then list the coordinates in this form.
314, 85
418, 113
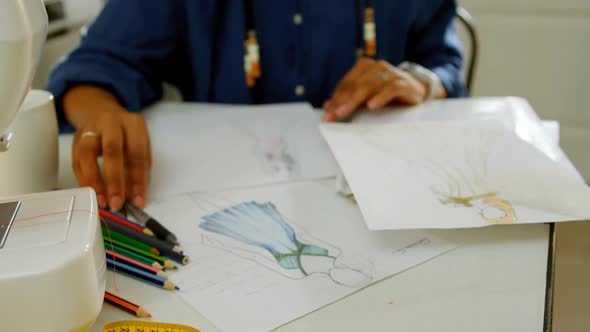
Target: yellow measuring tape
139, 326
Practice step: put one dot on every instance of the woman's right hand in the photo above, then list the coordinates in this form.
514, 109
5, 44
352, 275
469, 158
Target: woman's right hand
104, 128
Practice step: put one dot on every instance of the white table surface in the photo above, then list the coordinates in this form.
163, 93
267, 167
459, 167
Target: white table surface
494, 281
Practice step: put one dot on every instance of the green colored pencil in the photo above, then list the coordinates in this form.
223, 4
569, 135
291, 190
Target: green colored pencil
130, 241
133, 255
164, 261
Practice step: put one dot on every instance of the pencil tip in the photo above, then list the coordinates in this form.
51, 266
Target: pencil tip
176, 287
149, 315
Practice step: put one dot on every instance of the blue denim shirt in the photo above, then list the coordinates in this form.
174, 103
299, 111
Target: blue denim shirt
198, 46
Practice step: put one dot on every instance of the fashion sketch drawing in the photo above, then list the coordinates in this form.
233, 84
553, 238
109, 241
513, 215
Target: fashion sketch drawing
455, 167
296, 254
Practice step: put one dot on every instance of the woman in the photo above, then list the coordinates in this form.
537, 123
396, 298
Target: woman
342, 55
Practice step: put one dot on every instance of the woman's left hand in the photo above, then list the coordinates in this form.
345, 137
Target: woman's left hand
375, 84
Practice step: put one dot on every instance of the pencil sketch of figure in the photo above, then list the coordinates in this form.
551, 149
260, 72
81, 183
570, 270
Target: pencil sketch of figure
276, 156
456, 168
261, 225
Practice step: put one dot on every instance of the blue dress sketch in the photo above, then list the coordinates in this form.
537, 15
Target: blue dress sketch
261, 225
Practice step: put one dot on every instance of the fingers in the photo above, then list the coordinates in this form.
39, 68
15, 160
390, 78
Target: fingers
345, 87
369, 85
412, 91
329, 108
386, 95
348, 81
367, 79
85, 152
400, 90
138, 158
123, 141
114, 161
376, 84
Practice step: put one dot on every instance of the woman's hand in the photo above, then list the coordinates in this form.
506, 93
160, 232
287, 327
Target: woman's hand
104, 128
375, 84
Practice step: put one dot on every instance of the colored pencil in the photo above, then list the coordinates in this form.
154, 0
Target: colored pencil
126, 305
114, 256
161, 246
128, 240
151, 240
166, 263
107, 215
164, 248
148, 221
122, 213
133, 255
138, 274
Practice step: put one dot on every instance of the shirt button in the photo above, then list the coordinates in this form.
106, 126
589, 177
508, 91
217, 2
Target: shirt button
297, 19
299, 90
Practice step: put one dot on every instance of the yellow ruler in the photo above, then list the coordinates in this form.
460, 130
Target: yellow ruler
139, 326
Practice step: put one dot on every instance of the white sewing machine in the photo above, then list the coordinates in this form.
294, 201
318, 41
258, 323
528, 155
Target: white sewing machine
52, 262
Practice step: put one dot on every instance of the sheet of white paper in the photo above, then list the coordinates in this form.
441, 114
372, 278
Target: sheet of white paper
245, 273
452, 175
512, 113
234, 146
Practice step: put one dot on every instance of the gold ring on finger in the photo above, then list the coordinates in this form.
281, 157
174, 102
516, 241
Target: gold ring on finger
89, 133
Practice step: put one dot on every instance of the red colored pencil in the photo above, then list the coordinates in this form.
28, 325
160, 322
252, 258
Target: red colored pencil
106, 214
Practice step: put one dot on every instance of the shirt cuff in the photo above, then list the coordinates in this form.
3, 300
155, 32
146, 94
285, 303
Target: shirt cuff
64, 78
451, 81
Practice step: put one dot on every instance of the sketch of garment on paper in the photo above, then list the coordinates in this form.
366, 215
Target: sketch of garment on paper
275, 154
261, 225
455, 166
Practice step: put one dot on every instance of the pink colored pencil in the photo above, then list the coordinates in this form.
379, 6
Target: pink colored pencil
137, 264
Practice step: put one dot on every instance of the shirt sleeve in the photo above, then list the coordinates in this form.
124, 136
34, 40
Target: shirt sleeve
126, 50
434, 43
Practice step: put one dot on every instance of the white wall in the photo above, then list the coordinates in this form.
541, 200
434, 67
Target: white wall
78, 13
539, 49
54, 50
